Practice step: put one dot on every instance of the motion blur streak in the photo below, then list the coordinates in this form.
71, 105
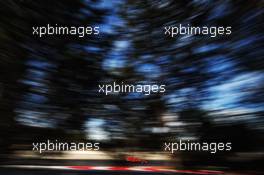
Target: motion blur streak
214, 85
120, 168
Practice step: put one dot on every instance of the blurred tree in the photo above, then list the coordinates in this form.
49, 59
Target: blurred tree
47, 81
52, 81
171, 61
191, 65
